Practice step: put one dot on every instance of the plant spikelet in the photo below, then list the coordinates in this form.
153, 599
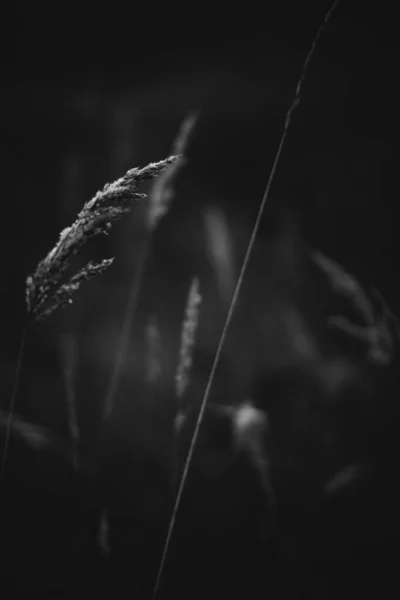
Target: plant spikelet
63, 295
153, 352
44, 293
163, 191
380, 332
188, 338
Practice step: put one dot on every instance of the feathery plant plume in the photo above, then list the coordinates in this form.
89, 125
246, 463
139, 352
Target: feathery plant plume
379, 332
188, 338
250, 425
153, 352
219, 247
163, 192
62, 296
44, 290
182, 376
344, 283
289, 114
44, 293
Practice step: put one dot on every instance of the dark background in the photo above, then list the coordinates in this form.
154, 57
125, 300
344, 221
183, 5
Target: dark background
96, 90
89, 91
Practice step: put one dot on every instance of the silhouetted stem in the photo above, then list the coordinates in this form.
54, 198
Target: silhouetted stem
12, 402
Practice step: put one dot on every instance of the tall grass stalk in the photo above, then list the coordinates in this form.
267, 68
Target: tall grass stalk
294, 104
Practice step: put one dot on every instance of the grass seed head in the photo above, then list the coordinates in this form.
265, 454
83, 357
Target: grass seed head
44, 291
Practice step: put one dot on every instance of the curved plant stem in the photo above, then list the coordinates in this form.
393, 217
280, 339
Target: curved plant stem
232, 306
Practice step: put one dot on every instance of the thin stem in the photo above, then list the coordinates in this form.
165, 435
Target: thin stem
12, 403
68, 356
232, 306
130, 310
